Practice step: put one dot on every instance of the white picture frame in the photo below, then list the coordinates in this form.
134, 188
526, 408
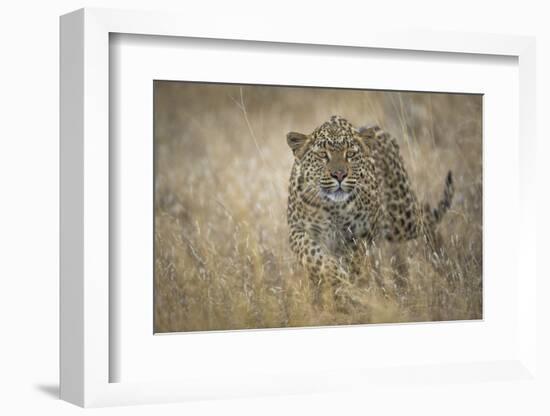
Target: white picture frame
85, 216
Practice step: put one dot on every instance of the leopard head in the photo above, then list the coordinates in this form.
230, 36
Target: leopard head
330, 160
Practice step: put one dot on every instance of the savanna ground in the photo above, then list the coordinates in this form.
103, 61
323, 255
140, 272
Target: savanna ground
222, 258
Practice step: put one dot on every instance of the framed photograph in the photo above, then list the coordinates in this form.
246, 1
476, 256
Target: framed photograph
281, 213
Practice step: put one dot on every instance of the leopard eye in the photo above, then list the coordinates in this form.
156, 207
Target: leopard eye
350, 154
322, 155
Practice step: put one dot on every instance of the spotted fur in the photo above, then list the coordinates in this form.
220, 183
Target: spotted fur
349, 186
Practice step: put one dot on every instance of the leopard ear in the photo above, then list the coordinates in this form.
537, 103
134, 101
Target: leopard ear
368, 132
367, 135
298, 143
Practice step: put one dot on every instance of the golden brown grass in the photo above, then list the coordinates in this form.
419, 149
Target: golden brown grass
222, 259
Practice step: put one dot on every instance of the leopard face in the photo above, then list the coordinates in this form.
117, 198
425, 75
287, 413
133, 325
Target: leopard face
332, 162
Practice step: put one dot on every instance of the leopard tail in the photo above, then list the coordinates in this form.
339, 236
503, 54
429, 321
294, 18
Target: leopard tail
445, 202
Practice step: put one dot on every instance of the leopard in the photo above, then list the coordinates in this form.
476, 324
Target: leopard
349, 188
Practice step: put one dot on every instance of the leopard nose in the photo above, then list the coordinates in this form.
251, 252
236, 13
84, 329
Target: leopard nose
339, 175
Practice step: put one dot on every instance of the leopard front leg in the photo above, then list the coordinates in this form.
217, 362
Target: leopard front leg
326, 272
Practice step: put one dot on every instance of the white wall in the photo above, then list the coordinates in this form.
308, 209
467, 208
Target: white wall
29, 183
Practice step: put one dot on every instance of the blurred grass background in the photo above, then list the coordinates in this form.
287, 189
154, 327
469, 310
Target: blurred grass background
222, 259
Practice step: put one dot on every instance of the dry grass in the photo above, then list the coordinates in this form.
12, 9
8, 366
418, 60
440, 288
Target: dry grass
222, 259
